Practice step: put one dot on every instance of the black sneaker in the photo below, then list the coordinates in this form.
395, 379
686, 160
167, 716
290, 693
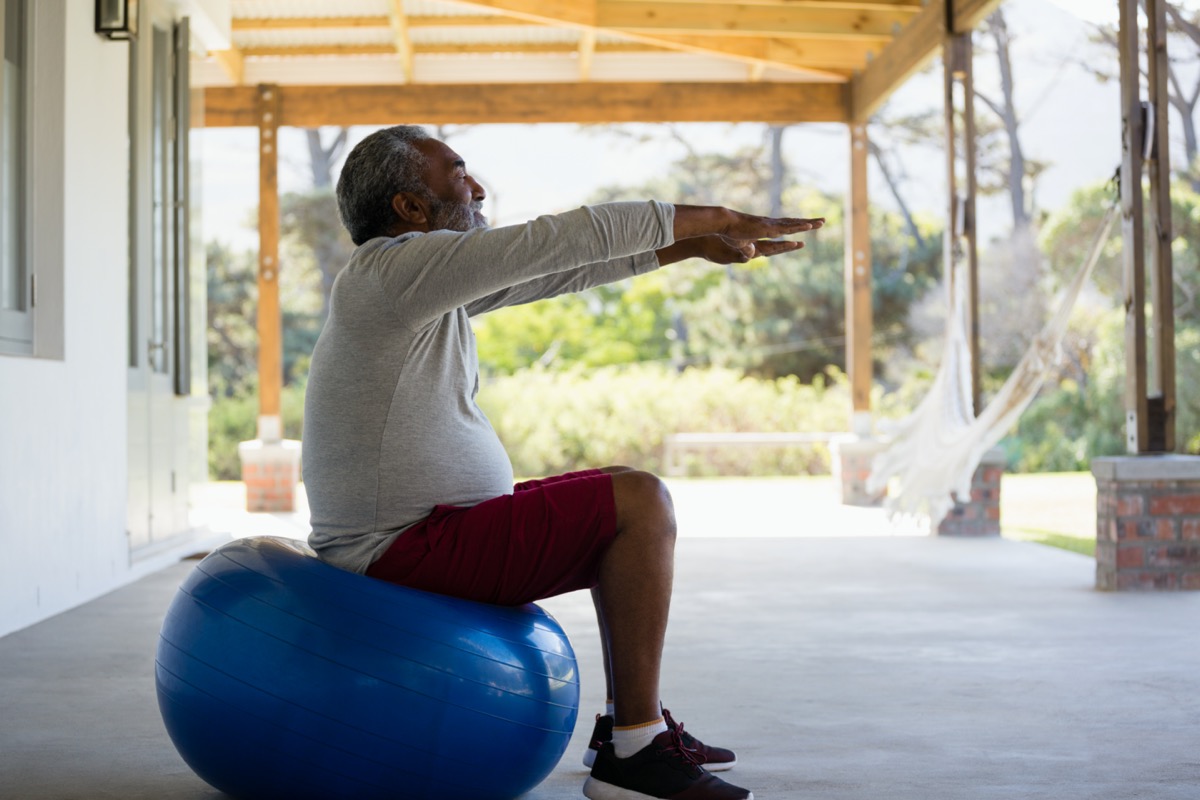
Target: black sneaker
662, 770
713, 759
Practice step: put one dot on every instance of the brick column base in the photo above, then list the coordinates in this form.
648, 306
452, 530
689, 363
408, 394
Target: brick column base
852, 457
980, 514
1147, 522
271, 471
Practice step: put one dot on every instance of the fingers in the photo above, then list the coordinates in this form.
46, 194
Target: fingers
751, 227
770, 248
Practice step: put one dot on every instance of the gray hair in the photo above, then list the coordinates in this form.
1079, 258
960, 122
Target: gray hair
380, 167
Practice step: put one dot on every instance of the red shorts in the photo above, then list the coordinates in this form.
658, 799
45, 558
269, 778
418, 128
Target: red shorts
545, 538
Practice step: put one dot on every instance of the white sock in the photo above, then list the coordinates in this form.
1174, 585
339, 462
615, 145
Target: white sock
630, 739
609, 708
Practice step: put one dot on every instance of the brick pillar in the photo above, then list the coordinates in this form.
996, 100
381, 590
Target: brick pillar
271, 471
852, 457
1147, 522
980, 514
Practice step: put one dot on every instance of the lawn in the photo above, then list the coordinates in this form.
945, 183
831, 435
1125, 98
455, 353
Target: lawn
1056, 509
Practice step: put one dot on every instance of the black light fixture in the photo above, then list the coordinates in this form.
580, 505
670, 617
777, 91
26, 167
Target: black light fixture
117, 19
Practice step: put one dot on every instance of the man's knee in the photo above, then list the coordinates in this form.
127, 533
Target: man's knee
643, 495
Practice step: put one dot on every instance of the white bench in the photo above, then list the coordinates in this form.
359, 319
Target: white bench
675, 443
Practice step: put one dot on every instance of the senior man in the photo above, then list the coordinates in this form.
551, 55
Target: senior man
407, 481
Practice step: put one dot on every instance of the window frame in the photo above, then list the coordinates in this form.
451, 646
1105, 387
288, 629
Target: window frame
17, 324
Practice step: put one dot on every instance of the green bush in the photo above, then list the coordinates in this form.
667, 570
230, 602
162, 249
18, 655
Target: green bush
563, 420
234, 418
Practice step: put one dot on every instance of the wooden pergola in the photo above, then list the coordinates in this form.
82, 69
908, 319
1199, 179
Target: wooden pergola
378, 62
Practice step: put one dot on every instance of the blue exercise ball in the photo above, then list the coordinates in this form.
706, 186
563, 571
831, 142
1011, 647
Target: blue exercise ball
281, 676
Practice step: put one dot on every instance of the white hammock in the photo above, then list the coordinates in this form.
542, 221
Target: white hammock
934, 452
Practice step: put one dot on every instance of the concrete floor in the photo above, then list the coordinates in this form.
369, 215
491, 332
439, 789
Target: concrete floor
896, 667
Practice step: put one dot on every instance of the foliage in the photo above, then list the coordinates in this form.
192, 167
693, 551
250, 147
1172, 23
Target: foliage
554, 421
1083, 415
310, 226
616, 324
232, 307
771, 318
234, 418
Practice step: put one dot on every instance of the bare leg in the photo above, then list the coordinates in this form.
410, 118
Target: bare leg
633, 597
608, 684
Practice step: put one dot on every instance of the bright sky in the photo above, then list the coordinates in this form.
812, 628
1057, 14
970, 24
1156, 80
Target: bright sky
1069, 120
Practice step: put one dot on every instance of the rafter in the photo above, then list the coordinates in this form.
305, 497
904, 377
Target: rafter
907, 54
750, 50
587, 48
740, 19
911, 50
233, 63
404, 48
849, 5
791, 53
376, 21
447, 48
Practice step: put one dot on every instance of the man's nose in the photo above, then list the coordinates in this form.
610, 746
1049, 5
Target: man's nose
477, 192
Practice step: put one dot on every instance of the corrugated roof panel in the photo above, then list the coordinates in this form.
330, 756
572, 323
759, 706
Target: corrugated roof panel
493, 34
497, 69
282, 9
665, 67
435, 8
312, 36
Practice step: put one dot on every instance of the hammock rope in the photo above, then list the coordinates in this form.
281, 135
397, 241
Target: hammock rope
933, 453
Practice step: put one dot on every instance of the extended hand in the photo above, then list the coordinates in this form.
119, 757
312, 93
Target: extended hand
749, 227
696, 221
721, 249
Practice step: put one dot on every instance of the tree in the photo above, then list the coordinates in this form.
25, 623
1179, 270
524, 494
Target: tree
312, 217
232, 311
1183, 80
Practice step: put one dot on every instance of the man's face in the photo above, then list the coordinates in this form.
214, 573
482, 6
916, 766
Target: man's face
455, 198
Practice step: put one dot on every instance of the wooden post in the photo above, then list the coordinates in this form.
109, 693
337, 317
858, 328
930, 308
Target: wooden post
1161, 401
1137, 429
270, 326
960, 238
859, 322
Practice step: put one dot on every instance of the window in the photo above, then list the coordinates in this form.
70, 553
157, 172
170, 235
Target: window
16, 280
160, 328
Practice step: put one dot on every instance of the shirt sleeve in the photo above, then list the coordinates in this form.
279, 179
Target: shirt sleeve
573, 280
425, 276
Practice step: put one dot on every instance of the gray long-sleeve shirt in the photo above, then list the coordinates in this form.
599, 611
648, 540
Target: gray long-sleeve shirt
391, 427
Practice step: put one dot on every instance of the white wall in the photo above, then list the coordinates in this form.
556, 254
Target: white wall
63, 422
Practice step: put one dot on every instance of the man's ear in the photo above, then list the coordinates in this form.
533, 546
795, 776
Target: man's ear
411, 210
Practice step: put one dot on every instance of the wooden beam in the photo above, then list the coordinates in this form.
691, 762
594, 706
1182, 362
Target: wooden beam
233, 63
584, 14
313, 106
516, 48
1137, 430
373, 21
739, 19
578, 13
859, 324
587, 48
404, 48
293, 51
908, 53
794, 53
270, 325
969, 13
848, 5
239, 25
1161, 380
